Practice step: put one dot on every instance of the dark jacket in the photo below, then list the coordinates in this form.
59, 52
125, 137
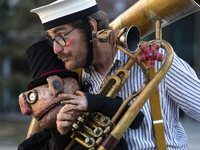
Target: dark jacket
52, 140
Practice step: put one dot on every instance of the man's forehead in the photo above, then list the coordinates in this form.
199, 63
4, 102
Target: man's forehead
54, 30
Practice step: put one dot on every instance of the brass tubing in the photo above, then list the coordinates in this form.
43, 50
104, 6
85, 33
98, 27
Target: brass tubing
123, 74
121, 108
69, 146
105, 90
158, 30
145, 13
127, 53
133, 58
115, 87
34, 127
101, 148
136, 106
126, 101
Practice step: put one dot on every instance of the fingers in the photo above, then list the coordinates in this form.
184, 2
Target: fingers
79, 101
73, 105
67, 108
73, 102
80, 93
68, 116
64, 122
65, 119
77, 105
67, 96
69, 99
71, 96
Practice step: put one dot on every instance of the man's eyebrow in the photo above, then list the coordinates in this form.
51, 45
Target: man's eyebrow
58, 29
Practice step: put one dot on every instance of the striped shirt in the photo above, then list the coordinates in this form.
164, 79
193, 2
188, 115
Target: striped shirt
179, 89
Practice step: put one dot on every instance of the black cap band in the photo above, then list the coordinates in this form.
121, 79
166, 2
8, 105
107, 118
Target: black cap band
89, 43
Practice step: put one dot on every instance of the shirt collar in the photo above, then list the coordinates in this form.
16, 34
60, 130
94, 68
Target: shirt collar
118, 57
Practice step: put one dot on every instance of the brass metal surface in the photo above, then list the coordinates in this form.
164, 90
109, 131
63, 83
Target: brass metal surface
145, 13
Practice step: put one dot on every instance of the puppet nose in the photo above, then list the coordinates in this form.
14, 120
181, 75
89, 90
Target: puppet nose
55, 84
25, 109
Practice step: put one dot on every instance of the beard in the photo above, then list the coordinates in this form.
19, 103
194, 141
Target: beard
78, 54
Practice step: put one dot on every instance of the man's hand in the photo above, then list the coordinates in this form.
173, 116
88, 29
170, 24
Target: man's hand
73, 106
79, 101
65, 119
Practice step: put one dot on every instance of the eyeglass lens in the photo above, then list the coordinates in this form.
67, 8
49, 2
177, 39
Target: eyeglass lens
60, 40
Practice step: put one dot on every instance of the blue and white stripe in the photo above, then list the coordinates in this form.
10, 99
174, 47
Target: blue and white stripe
179, 89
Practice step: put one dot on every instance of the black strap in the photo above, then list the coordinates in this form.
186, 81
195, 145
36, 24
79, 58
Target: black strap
89, 43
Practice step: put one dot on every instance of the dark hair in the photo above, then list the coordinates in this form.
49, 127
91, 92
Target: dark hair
100, 17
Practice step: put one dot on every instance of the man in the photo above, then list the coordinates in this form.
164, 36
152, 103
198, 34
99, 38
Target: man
72, 26
44, 101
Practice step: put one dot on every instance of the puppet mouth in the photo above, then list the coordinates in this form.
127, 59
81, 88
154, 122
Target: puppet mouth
48, 110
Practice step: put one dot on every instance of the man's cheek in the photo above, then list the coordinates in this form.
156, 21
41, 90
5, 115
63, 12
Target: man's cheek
70, 42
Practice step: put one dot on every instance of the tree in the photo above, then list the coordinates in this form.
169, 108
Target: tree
19, 28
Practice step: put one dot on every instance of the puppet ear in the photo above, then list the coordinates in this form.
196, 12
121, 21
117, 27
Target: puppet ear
55, 84
25, 109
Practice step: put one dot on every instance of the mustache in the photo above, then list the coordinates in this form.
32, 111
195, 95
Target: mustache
63, 55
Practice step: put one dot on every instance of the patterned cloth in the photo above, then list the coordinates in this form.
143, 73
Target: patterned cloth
179, 89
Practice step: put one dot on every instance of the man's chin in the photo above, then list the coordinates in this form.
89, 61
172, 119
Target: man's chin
70, 66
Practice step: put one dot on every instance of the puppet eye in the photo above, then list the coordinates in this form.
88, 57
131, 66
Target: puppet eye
31, 96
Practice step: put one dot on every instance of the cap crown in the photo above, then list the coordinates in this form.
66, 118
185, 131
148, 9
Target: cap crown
64, 11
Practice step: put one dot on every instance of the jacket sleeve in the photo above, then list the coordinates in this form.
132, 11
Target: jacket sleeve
109, 107
36, 142
45, 140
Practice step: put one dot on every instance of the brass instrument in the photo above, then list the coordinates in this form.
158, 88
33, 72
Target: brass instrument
145, 13
84, 131
148, 16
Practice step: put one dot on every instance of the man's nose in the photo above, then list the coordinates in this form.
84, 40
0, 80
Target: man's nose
57, 48
25, 109
55, 84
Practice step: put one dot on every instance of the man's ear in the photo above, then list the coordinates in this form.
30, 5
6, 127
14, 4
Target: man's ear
93, 25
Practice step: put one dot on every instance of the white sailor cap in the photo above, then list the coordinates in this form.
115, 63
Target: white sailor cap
64, 11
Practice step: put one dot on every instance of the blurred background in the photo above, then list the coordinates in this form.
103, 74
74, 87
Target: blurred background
19, 29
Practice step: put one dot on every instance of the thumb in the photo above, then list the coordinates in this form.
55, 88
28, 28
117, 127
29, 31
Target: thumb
80, 93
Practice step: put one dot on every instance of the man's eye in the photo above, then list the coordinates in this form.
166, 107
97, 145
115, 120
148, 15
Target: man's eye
60, 34
31, 96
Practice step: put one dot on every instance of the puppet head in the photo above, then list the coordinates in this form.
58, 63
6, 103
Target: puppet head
50, 78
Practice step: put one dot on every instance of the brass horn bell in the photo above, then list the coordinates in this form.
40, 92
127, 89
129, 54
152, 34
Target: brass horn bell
131, 38
128, 38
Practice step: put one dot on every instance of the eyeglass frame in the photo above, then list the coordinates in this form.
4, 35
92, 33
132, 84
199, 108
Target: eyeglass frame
51, 41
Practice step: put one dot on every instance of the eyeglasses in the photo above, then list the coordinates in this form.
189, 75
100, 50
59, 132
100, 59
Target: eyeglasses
59, 39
